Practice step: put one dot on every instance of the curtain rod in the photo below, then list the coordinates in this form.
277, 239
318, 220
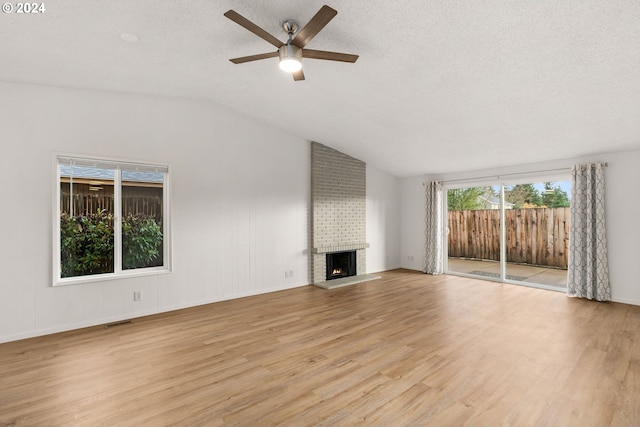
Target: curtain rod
509, 175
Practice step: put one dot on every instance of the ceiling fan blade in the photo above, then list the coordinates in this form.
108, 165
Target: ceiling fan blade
298, 75
313, 27
241, 20
331, 56
250, 58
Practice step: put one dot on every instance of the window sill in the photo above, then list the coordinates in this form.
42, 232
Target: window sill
110, 276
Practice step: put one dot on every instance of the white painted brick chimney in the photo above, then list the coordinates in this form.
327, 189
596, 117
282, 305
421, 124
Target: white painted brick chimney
338, 200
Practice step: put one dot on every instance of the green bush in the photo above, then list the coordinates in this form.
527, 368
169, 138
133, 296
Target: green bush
141, 242
87, 243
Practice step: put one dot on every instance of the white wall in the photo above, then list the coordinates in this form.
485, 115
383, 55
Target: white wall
240, 197
622, 207
383, 220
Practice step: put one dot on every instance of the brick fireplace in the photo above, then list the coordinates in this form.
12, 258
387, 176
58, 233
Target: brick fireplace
338, 214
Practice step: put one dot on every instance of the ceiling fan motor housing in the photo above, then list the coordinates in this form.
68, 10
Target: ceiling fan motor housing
290, 57
290, 51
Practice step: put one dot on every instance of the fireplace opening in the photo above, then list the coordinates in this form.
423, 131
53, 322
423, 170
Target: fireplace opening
341, 264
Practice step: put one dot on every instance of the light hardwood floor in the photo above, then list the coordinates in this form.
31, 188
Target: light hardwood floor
408, 349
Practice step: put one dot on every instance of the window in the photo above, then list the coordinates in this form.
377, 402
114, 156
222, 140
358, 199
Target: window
111, 219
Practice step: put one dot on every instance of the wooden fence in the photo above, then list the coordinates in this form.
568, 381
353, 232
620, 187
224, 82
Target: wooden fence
136, 201
538, 236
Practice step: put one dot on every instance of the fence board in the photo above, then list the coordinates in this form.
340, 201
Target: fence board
538, 236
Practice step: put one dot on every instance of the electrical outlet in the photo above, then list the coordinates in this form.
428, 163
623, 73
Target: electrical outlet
137, 296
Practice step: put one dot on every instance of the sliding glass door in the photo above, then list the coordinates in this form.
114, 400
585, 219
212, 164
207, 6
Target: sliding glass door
473, 231
516, 232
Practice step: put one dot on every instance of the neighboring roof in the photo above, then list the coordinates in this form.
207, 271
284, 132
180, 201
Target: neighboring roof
495, 201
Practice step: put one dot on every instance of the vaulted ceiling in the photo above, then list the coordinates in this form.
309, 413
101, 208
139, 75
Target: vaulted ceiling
440, 86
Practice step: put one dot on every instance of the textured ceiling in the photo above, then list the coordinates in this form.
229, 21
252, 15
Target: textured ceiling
440, 86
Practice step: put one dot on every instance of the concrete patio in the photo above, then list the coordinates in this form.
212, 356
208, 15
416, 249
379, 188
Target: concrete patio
518, 272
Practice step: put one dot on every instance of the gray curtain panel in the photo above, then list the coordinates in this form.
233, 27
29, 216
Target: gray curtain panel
433, 228
588, 271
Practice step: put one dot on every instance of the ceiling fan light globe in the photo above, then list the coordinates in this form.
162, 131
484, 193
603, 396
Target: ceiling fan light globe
290, 65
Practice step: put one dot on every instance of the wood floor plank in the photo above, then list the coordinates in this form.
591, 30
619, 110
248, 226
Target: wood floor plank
408, 349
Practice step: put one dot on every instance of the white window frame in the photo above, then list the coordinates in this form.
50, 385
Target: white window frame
118, 273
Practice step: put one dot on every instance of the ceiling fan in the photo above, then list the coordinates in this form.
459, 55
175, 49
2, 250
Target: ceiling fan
292, 52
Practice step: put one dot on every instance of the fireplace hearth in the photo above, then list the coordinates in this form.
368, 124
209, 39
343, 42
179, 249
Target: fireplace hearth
341, 264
